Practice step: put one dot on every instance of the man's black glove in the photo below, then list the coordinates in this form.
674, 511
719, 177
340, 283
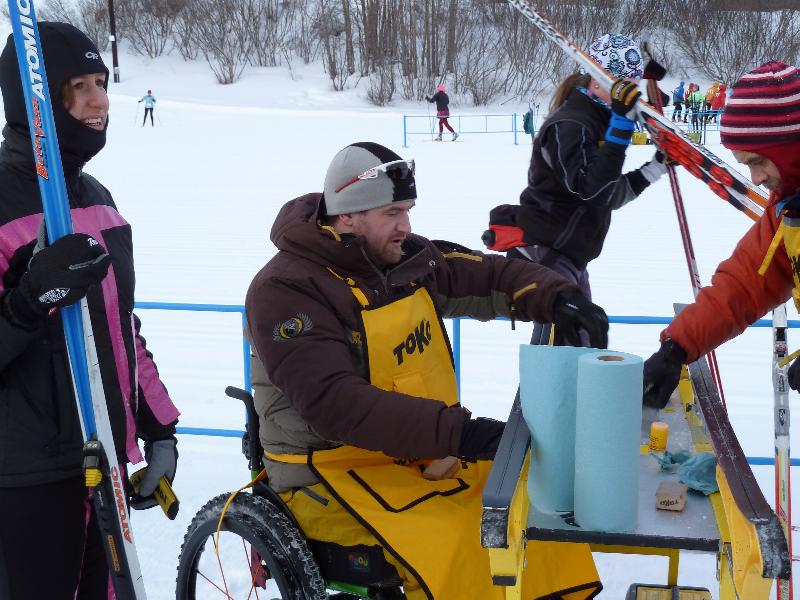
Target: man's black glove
661, 374
58, 275
480, 438
573, 312
162, 461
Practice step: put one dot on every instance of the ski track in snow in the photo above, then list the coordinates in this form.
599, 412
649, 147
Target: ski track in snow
202, 188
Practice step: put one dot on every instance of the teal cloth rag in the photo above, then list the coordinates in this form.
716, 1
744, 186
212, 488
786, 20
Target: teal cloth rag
700, 473
668, 459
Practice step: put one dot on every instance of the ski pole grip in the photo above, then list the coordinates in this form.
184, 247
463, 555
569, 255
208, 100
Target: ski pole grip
163, 494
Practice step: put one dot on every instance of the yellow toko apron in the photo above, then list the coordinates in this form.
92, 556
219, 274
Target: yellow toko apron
429, 529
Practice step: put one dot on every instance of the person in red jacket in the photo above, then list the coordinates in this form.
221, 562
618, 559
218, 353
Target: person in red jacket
761, 125
718, 102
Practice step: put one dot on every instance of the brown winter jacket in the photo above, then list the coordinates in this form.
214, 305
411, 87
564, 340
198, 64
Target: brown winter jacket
305, 326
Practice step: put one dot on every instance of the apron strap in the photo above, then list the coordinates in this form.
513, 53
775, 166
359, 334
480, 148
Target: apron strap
360, 296
776, 240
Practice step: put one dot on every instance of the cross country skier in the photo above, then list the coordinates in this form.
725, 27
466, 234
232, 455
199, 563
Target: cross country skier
761, 125
347, 321
49, 542
149, 104
442, 101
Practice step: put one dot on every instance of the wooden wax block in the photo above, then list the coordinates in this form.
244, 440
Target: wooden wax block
671, 495
441, 468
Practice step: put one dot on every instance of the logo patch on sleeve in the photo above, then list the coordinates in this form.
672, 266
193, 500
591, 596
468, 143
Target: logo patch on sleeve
292, 327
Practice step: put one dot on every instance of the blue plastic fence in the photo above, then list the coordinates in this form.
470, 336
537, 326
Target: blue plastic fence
456, 339
428, 125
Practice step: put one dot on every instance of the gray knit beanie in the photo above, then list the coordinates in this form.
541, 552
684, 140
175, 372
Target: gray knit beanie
350, 186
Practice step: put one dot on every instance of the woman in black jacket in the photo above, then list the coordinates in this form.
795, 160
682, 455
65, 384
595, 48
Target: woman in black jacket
575, 177
50, 546
442, 111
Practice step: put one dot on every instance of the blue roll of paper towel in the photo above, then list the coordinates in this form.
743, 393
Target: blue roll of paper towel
548, 388
607, 438
585, 414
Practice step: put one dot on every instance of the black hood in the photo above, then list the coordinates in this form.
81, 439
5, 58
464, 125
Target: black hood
67, 52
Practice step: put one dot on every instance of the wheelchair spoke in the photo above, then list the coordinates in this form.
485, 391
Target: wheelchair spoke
250, 557
232, 571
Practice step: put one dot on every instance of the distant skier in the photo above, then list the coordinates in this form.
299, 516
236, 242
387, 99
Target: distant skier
695, 104
718, 101
677, 101
442, 111
149, 104
575, 178
761, 125
50, 543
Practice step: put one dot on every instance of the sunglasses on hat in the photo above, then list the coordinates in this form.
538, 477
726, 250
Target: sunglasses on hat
396, 170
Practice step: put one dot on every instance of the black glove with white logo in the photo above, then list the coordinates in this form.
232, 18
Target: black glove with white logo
661, 374
572, 312
57, 275
480, 438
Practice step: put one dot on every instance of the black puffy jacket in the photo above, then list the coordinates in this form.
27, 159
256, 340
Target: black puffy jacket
40, 437
575, 180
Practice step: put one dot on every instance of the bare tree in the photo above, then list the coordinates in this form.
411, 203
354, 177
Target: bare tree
272, 25
381, 84
90, 16
224, 36
726, 44
185, 32
329, 27
148, 24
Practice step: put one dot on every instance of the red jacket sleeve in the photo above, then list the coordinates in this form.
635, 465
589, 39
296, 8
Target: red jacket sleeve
738, 295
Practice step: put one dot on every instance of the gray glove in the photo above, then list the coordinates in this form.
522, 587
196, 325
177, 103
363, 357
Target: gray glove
162, 460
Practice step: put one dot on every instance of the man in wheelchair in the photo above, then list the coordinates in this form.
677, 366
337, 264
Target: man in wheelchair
365, 439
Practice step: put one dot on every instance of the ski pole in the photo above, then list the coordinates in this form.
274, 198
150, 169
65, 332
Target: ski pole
102, 470
430, 119
688, 248
780, 386
136, 116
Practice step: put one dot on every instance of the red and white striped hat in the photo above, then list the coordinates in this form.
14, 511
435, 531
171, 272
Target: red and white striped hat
764, 108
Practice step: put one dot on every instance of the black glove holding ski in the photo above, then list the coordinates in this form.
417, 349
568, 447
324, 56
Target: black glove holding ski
57, 275
162, 461
572, 312
661, 374
480, 438
624, 96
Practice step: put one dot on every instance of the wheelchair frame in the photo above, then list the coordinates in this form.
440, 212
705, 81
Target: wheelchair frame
279, 549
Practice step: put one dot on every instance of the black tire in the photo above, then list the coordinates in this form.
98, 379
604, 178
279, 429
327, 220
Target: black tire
262, 526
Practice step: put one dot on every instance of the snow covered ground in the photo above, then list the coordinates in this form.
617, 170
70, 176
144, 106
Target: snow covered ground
202, 188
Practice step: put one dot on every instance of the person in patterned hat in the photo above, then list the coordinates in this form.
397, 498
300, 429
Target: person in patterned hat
576, 177
761, 125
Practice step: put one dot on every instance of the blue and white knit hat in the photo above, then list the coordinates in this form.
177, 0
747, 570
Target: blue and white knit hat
618, 54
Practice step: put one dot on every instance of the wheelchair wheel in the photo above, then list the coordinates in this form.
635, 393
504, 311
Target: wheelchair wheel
261, 554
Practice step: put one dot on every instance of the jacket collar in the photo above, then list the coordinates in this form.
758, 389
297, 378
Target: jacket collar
296, 231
